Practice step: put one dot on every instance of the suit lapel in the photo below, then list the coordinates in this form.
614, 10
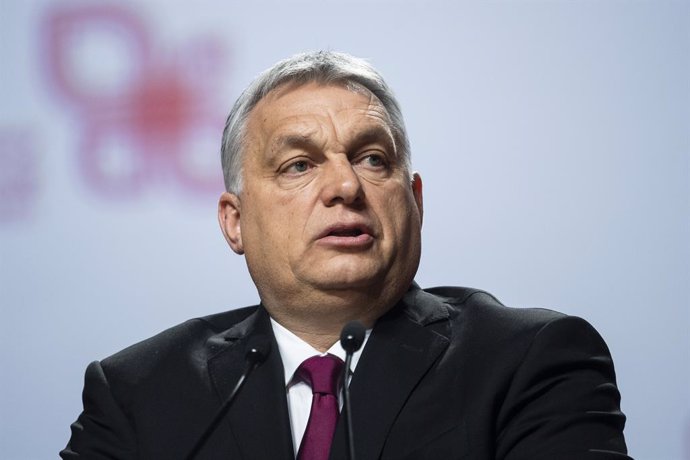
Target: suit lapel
398, 353
258, 420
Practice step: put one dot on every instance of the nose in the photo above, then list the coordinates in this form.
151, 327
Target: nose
341, 184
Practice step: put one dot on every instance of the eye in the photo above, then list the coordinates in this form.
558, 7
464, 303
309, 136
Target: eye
374, 161
297, 167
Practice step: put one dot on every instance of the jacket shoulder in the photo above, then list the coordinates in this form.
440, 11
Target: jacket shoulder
477, 304
185, 341
546, 380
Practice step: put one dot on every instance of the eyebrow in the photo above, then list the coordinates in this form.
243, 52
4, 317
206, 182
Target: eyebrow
369, 135
299, 141
372, 134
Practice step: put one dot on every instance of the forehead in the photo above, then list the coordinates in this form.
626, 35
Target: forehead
293, 107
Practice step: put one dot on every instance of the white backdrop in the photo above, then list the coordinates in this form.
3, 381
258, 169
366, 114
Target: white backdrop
552, 137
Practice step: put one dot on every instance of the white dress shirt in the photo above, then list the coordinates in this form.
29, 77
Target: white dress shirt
293, 351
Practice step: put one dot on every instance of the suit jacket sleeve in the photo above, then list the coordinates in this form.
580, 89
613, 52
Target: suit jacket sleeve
563, 401
102, 431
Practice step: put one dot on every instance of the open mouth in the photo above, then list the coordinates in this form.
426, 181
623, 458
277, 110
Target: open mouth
347, 236
352, 232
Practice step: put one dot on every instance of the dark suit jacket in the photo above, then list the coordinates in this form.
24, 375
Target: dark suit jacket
449, 373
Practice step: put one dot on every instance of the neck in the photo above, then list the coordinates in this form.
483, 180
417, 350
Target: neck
319, 322
318, 317
321, 342
319, 330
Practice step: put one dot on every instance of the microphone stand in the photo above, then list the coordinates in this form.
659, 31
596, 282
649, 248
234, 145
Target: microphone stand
346, 409
351, 339
257, 351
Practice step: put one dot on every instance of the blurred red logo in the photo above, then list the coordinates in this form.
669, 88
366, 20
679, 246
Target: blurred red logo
148, 116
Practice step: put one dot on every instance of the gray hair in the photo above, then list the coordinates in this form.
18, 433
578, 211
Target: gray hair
323, 67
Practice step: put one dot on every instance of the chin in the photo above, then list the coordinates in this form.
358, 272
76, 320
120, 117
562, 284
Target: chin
343, 280
343, 284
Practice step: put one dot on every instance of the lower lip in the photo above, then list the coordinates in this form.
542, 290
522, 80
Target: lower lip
359, 241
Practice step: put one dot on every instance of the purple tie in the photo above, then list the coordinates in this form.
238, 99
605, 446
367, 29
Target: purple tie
322, 373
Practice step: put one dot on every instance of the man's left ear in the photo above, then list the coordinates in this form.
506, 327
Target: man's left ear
417, 192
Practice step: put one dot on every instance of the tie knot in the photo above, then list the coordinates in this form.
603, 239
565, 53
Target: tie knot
322, 373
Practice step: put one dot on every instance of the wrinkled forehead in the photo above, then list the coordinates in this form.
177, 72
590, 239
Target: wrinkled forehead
349, 85
305, 114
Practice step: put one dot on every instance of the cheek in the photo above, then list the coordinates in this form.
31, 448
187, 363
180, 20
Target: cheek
276, 222
399, 208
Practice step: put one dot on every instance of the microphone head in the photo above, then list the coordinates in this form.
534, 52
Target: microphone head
352, 336
258, 347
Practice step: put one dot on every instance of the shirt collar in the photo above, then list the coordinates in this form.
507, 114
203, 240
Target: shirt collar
293, 350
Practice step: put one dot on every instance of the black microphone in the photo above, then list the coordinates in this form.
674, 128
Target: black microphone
257, 350
351, 339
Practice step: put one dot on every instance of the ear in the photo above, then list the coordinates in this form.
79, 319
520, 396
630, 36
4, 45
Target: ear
417, 192
229, 220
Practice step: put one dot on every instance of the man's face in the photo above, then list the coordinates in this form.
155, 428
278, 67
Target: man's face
327, 205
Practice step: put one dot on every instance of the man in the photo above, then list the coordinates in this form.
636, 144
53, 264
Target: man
321, 201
